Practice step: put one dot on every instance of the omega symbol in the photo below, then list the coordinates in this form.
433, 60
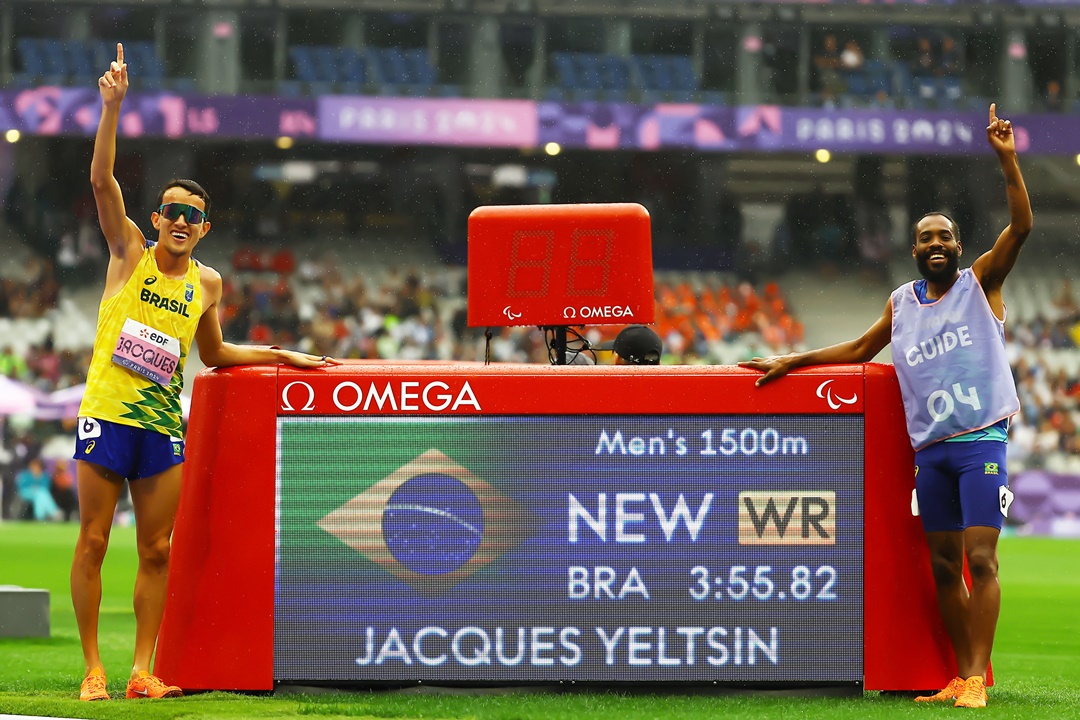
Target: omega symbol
308, 406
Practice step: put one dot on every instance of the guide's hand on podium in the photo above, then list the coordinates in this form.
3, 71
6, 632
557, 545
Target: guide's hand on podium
774, 366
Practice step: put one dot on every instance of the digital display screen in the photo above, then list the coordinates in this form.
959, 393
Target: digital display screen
579, 547
560, 265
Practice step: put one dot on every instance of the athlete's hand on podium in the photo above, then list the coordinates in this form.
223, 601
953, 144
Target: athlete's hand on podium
1000, 133
303, 360
114, 83
774, 366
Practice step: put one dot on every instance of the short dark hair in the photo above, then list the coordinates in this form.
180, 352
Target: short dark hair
191, 186
915, 226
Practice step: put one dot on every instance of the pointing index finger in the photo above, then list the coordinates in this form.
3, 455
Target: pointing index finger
993, 112
120, 55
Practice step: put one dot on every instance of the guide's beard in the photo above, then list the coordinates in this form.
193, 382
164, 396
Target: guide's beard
947, 271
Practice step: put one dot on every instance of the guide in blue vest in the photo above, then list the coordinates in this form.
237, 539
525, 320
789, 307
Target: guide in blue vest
948, 335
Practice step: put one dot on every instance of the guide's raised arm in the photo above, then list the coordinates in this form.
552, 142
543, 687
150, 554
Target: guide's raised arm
992, 267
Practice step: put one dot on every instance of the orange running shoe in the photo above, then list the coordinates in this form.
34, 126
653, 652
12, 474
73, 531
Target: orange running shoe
145, 685
974, 693
93, 686
948, 694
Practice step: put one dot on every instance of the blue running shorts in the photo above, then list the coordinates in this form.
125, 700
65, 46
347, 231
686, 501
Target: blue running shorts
962, 484
128, 451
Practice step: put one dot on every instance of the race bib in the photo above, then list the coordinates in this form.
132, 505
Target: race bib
89, 428
147, 351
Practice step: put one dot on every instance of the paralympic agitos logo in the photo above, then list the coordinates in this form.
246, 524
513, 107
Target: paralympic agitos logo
432, 523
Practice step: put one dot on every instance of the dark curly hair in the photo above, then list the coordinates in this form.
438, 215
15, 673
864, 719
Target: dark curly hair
915, 226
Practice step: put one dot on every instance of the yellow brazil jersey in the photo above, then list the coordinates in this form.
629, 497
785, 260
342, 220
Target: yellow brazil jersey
156, 306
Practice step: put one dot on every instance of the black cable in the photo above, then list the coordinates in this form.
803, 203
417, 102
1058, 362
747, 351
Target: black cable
575, 345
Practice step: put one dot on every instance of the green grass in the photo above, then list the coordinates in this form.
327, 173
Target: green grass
1036, 658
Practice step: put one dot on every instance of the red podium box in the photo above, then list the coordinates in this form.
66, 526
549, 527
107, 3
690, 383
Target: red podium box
295, 554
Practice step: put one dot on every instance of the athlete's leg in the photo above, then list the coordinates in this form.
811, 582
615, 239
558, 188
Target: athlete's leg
985, 603
983, 490
947, 563
942, 518
99, 489
155, 499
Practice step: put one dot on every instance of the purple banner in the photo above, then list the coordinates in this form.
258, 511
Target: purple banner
766, 128
422, 121
524, 123
1047, 503
76, 111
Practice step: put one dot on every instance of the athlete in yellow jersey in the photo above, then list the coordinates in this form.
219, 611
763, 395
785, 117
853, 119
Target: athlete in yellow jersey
156, 300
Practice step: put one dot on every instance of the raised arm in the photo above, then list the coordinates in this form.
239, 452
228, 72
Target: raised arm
862, 349
122, 235
992, 267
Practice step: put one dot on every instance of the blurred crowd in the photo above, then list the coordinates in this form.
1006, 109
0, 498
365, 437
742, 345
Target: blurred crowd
33, 294
1046, 433
396, 313
419, 314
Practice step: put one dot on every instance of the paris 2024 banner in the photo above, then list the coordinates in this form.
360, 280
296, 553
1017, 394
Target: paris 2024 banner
528, 124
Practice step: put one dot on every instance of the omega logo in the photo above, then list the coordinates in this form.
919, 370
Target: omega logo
401, 396
307, 407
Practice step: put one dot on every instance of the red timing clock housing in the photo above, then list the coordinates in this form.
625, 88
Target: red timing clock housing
550, 265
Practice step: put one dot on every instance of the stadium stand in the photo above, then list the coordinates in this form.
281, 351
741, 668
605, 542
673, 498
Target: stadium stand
321, 69
589, 76
665, 78
367, 269
53, 61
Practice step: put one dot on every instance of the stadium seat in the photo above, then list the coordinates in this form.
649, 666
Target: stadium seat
877, 76
324, 59
303, 64
588, 69
54, 57
565, 70
184, 85
153, 66
665, 77
352, 67
682, 72
857, 83
926, 88
30, 60
651, 73
903, 85
588, 76
82, 60
950, 91
420, 70
394, 66
407, 71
